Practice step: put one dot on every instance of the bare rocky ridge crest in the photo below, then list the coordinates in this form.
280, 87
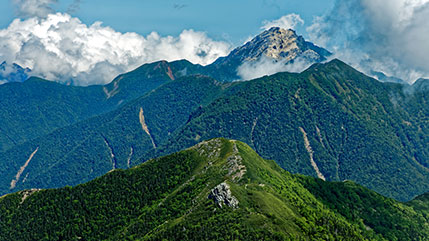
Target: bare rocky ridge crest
276, 44
234, 167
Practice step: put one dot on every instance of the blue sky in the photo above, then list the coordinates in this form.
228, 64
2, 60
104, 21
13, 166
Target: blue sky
232, 21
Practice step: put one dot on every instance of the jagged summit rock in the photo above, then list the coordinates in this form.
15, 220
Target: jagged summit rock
279, 44
276, 44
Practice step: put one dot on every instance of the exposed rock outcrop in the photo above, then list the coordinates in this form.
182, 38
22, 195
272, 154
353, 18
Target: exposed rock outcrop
210, 148
27, 193
222, 195
114, 91
112, 154
277, 44
236, 169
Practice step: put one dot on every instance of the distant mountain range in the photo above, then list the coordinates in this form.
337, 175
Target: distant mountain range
37, 107
217, 189
384, 78
275, 44
329, 121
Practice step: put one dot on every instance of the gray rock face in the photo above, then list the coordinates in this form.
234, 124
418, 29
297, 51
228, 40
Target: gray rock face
221, 194
26, 193
277, 44
235, 167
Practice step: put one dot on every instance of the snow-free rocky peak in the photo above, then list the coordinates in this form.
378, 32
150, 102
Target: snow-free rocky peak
277, 44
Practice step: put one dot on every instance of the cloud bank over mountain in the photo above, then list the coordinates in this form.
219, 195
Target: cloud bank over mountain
391, 36
266, 66
61, 48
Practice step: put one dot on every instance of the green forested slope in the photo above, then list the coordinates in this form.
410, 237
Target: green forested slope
357, 128
351, 126
37, 107
88, 149
170, 198
136, 83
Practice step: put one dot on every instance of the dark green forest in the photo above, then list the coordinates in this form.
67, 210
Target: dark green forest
181, 151
83, 151
168, 198
357, 128
37, 107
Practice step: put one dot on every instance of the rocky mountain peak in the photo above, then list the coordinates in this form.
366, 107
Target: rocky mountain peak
279, 44
275, 44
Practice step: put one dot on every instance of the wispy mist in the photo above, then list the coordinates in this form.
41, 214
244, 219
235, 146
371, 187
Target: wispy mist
267, 66
289, 21
33, 8
390, 36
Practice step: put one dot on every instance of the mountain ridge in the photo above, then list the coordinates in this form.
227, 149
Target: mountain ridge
36, 106
350, 120
118, 132
332, 100
335, 105
216, 189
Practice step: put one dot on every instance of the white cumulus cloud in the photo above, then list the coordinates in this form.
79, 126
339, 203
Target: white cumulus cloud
391, 36
289, 21
61, 48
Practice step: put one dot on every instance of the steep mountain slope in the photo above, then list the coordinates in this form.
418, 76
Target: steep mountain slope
88, 149
218, 189
275, 44
421, 85
37, 107
147, 77
330, 121
414, 100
